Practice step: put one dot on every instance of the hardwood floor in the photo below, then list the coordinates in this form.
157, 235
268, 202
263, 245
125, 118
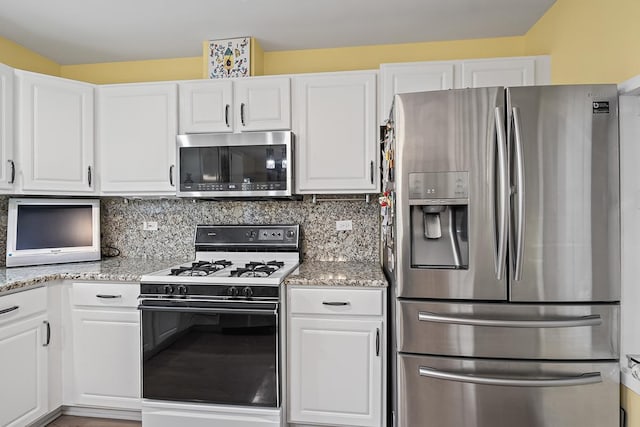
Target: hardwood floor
69, 421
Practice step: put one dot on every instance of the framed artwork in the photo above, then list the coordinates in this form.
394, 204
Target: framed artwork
229, 58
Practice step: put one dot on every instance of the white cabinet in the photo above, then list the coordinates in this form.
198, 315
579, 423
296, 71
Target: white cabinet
136, 135
7, 163
55, 135
441, 75
336, 348
105, 325
251, 104
336, 132
23, 357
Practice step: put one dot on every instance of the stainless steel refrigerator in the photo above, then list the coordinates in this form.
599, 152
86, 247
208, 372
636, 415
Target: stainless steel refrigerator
501, 237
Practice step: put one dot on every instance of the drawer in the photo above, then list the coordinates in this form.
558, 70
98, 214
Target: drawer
350, 301
105, 294
23, 304
509, 330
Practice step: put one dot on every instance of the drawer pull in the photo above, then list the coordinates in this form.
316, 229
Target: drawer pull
105, 296
336, 303
377, 341
571, 322
583, 379
9, 310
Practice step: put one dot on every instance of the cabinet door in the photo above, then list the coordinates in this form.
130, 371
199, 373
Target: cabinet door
336, 371
336, 133
413, 77
106, 357
262, 104
7, 164
206, 106
55, 134
137, 138
499, 72
23, 372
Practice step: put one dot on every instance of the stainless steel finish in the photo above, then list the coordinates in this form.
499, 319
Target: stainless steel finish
105, 296
519, 191
89, 175
445, 402
171, 168
564, 332
438, 237
9, 310
502, 197
47, 340
336, 303
245, 138
13, 172
226, 115
439, 185
242, 114
447, 131
572, 209
529, 380
593, 320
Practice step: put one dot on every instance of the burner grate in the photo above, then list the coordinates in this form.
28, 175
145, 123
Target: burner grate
200, 268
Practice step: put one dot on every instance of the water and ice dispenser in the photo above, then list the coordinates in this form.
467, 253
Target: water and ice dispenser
439, 219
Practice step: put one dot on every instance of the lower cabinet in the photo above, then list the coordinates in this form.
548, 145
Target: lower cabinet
105, 326
336, 357
24, 339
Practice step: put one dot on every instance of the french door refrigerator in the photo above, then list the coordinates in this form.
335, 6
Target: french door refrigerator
500, 234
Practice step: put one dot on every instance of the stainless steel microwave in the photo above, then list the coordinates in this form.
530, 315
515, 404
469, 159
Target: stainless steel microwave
251, 164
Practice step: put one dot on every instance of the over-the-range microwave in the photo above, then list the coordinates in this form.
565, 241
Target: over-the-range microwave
251, 164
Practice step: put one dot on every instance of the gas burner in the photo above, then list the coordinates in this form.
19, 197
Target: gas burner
200, 268
255, 269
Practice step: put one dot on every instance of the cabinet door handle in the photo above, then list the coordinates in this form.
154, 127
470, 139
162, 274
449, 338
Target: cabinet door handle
242, 114
89, 175
377, 341
371, 171
107, 296
171, 175
9, 310
335, 303
48, 340
13, 172
226, 115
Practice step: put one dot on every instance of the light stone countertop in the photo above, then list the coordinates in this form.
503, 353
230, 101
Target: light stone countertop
337, 273
16, 279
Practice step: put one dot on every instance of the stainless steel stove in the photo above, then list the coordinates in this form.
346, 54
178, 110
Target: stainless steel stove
210, 327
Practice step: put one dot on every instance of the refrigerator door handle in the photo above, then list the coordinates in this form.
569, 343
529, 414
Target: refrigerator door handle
520, 194
502, 197
570, 322
530, 381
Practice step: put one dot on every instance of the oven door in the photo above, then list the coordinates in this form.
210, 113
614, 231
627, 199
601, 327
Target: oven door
210, 352
254, 164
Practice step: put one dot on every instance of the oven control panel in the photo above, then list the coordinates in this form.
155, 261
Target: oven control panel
273, 234
251, 236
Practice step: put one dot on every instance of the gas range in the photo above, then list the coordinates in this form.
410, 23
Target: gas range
232, 261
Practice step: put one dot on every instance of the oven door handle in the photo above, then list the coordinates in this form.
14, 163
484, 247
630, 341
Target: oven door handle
212, 310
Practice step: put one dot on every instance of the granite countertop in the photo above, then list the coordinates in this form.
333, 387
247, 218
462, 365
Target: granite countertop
16, 279
337, 273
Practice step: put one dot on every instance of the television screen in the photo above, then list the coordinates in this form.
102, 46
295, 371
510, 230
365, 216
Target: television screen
42, 226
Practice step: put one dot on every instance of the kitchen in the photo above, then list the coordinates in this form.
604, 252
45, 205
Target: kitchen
321, 240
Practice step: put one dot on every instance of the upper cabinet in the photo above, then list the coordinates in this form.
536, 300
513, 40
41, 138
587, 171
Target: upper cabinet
7, 163
136, 134
425, 76
237, 105
55, 135
336, 132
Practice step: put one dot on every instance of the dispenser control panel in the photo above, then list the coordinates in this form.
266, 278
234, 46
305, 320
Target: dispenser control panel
439, 185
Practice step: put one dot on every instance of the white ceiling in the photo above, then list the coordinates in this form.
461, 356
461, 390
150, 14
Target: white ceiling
90, 31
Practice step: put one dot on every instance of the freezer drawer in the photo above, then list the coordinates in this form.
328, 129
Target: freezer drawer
453, 392
511, 331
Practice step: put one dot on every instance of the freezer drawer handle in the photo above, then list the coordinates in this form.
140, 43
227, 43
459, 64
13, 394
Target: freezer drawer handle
592, 320
582, 379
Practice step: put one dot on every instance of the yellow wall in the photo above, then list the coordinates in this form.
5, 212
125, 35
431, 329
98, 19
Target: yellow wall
631, 404
590, 41
17, 56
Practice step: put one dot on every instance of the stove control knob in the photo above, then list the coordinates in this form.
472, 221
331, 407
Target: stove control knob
232, 291
247, 292
291, 234
182, 290
168, 289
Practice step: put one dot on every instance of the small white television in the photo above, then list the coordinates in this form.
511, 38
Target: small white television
50, 231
